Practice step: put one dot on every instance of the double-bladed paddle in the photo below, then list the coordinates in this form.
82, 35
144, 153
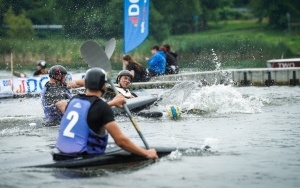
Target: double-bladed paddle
110, 47
95, 56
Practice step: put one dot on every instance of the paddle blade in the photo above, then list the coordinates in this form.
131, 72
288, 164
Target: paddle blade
94, 55
89, 51
110, 47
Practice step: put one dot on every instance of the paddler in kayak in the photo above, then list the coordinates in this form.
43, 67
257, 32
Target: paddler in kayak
123, 80
57, 89
88, 120
56, 94
40, 68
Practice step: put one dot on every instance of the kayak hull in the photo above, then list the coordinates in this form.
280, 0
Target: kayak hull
113, 158
139, 106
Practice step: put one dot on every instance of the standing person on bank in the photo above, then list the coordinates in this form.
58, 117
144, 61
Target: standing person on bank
88, 120
138, 72
157, 62
40, 68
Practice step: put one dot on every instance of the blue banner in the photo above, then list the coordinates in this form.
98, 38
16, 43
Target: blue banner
136, 23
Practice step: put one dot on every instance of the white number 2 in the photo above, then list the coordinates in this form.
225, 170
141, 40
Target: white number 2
73, 116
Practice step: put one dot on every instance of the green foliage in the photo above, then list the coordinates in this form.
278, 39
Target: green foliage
276, 11
18, 25
179, 16
227, 13
159, 29
237, 44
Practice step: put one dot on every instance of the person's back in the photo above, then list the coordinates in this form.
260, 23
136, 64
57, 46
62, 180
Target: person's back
88, 121
91, 114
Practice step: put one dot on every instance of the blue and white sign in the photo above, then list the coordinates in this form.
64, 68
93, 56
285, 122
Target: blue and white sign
136, 23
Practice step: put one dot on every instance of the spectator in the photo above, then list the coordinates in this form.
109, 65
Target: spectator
157, 62
171, 58
138, 72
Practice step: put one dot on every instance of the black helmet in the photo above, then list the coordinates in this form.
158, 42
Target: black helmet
95, 78
57, 72
123, 73
41, 63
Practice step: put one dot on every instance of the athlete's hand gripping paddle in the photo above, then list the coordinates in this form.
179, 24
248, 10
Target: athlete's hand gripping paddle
95, 56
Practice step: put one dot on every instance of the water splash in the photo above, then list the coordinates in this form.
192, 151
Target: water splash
222, 77
221, 99
174, 155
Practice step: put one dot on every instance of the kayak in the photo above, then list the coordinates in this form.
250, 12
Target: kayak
112, 158
139, 106
136, 104
19, 74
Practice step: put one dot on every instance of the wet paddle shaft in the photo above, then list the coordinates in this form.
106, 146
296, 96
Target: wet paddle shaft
95, 56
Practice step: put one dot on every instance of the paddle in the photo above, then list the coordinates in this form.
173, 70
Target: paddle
110, 47
90, 48
95, 56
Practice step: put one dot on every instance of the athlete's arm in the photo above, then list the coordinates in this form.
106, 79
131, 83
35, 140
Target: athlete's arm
117, 101
75, 83
125, 143
132, 73
61, 105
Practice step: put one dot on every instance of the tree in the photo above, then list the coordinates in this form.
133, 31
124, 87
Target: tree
158, 27
178, 15
18, 25
210, 9
87, 19
276, 11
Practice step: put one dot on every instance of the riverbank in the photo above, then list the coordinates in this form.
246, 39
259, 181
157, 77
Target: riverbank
236, 44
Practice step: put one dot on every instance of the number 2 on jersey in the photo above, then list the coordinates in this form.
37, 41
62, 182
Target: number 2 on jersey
73, 117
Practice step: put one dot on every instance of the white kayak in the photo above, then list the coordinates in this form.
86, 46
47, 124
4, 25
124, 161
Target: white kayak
140, 106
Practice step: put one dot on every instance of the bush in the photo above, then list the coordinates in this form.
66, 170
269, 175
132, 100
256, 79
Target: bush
18, 26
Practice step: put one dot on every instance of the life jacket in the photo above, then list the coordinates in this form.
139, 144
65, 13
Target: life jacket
125, 92
51, 94
75, 136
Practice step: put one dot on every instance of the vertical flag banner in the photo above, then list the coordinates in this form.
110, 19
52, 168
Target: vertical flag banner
136, 23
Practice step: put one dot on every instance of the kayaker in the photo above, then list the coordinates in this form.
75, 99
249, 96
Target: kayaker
40, 68
88, 120
57, 89
138, 72
157, 62
123, 80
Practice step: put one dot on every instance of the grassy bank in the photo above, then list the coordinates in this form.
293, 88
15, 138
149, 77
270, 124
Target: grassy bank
236, 44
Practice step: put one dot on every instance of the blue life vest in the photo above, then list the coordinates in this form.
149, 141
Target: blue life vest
75, 136
49, 96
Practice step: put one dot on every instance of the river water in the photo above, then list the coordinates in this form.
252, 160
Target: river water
253, 134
